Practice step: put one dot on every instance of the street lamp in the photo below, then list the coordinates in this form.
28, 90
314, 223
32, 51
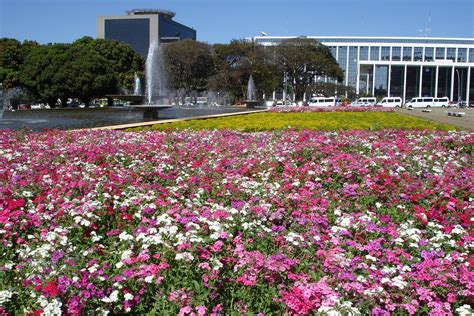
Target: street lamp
459, 86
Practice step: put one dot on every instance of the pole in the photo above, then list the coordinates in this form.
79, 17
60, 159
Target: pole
459, 86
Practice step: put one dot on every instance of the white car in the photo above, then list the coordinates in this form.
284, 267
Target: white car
364, 102
390, 102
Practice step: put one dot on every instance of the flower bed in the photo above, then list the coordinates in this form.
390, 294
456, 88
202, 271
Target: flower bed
305, 109
226, 222
269, 121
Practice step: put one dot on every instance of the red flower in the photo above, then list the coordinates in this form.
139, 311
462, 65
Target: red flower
51, 289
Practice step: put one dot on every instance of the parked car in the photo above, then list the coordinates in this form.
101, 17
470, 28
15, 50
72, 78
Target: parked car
24, 107
364, 102
323, 101
390, 102
428, 102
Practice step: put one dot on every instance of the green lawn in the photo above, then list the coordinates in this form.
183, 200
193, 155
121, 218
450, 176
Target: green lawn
315, 121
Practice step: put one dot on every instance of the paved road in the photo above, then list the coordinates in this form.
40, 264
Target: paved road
440, 115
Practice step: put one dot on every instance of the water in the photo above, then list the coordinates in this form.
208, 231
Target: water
75, 118
137, 89
250, 89
156, 81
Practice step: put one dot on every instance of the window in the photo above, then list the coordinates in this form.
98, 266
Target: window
396, 53
374, 53
407, 53
364, 53
440, 52
462, 55
385, 53
451, 54
429, 53
418, 54
471, 55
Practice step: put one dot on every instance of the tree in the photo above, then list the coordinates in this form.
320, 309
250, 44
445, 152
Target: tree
302, 60
124, 60
12, 55
61, 71
235, 62
188, 64
89, 74
44, 72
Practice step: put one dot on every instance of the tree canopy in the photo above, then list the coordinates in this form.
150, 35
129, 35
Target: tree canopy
302, 60
189, 65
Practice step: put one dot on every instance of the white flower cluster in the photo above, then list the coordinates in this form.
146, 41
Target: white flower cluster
5, 296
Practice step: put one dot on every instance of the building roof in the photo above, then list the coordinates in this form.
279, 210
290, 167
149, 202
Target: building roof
169, 14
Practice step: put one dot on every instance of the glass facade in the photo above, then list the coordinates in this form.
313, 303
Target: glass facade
352, 69
404, 67
135, 32
429, 52
172, 29
444, 81
374, 53
428, 81
396, 53
412, 83
407, 52
462, 55
385, 53
418, 54
440, 52
381, 81
342, 59
396, 81
364, 53
451, 54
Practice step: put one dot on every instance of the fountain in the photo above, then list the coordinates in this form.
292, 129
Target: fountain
250, 101
137, 89
156, 93
250, 89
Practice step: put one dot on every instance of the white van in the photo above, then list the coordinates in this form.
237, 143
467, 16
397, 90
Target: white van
441, 102
390, 102
364, 102
428, 102
323, 101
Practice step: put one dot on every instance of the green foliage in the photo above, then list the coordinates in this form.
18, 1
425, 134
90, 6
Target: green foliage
300, 121
86, 69
304, 59
239, 59
189, 65
124, 60
12, 55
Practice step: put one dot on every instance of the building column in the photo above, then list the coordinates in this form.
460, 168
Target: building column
347, 67
421, 81
452, 83
405, 84
468, 84
373, 80
358, 78
389, 79
436, 80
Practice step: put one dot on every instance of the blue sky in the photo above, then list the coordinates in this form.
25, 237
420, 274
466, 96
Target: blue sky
219, 21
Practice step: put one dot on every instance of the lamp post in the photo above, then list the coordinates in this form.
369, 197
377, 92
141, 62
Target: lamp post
459, 86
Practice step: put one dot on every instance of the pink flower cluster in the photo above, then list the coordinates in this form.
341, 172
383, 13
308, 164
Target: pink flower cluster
304, 109
222, 222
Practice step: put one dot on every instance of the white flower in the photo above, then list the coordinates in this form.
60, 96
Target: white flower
128, 297
465, 310
369, 257
5, 296
112, 298
186, 256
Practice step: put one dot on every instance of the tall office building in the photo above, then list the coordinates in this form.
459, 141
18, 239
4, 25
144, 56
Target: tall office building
404, 67
141, 27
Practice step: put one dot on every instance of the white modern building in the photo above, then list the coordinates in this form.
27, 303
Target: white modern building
403, 67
